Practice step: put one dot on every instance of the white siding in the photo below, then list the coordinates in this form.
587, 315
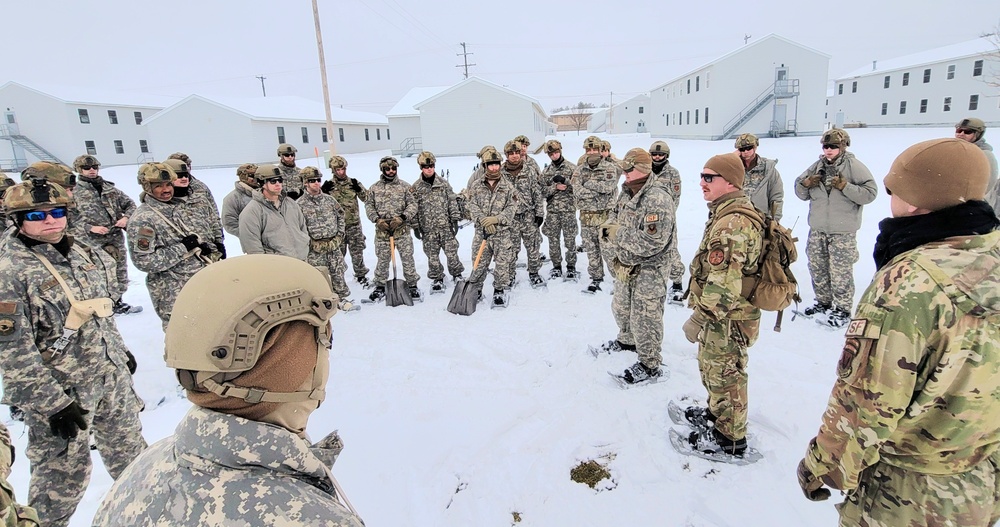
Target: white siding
208, 133
404, 128
626, 116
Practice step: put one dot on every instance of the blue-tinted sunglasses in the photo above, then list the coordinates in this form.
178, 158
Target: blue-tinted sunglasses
39, 215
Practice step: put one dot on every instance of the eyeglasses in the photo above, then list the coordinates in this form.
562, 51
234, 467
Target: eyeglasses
427, 166
183, 175
287, 155
965, 131
831, 147
275, 180
390, 169
89, 167
39, 215
657, 154
707, 178
313, 180
746, 148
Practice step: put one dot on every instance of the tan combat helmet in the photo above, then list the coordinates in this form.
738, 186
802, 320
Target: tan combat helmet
5, 183
523, 139
182, 156
266, 171
975, 124
836, 136
660, 147
485, 149
426, 158
387, 162
491, 156
85, 160
745, 140
153, 173
309, 173
592, 143
337, 162
180, 168
512, 147
33, 194
223, 314
245, 174
54, 172
285, 148
552, 146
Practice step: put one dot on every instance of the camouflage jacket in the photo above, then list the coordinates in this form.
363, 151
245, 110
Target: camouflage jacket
477, 175
388, 199
233, 204
155, 246
500, 201
292, 176
266, 229
530, 162
437, 205
993, 188
729, 249
324, 217
670, 177
12, 514
529, 193
200, 197
646, 224
100, 208
33, 309
348, 199
920, 371
833, 211
594, 188
558, 200
218, 469
762, 184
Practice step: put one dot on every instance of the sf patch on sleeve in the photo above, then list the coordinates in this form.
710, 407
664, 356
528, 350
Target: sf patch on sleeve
144, 241
9, 328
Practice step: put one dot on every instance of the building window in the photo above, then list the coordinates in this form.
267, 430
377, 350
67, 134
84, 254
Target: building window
143, 146
640, 109
927, 75
689, 85
902, 107
378, 134
138, 117
947, 104
923, 105
706, 115
281, 134
322, 131
387, 138
119, 147
91, 149
885, 108
305, 134
951, 71
113, 116
696, 117
885, 83
366, 135
341, 132
854, 87
973, 102
977, 68
697, 83
840, 89
688, 120
906, 79
668, 120
84, 116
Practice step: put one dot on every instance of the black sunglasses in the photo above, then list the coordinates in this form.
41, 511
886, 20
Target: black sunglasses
313, 180
39, 215
707, 178
89, 167
746, 148
427, 166
965, 131
831, 147
273, 180
287, 155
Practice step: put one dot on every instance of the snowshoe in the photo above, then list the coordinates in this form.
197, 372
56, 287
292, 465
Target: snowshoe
712, 445
696, 417
521, 265
570, 275
363, 280
121, 308
676, 294
837, 318
611, 346
16, 413
556, 272
438, 286
817, 309
348, 305
593, 288
456, 279
500, 299
638, 375
378, 295
415, 293
535, 281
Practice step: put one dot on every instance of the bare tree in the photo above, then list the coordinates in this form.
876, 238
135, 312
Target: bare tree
993, 77
580, 115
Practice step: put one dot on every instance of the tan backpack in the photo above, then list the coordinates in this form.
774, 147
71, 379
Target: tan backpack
773, 286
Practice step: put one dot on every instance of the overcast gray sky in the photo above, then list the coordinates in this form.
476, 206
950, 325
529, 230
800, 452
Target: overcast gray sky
376, 50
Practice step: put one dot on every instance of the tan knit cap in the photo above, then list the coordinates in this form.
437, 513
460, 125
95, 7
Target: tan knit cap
729, 166
939, 173
639, 159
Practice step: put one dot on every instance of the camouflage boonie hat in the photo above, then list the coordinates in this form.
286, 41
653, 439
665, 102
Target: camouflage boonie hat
745, 140
245, 172
266, 171
181, 168
35, 193
310, 172
182, 156
491, 156
54, 172
552, 146
388, 162
836, 136
85, 159
153, 173
592, 143
426, 158
337, 162
512, 147
285, 148
659, 147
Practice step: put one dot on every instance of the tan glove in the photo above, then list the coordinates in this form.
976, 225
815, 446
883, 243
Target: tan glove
382, 225
812, 486
609, 231
695, 323
812, 181
622, 272
838, 182
489, 224
395, 223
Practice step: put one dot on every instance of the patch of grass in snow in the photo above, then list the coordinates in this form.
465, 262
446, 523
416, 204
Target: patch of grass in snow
517, 516
590, 473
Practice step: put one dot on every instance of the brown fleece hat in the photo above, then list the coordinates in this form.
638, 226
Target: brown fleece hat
939, 173
729, 166
639, 159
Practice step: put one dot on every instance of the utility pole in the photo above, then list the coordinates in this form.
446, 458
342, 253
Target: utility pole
261, 77
746, 38
465, 60
322, 73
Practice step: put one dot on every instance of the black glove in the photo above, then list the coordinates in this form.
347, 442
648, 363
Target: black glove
355, 186
222, 249
454, 228
327, 186
206, 248
66, 422
559, 179
130, 362
190, 241
294, 194
538, 221
812, 487
416, 232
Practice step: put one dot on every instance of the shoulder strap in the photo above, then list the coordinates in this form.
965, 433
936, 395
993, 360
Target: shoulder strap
193, 252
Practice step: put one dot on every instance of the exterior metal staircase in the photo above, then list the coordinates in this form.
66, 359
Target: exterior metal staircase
10, 133
409, 147
781, 89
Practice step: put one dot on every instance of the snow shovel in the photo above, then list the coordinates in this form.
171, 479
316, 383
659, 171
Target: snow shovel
466, 294
396, 293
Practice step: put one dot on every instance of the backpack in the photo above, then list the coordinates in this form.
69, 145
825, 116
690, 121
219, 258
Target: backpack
773, 287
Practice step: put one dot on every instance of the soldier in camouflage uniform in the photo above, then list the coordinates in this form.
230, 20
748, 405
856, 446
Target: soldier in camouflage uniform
389, 204
238, 199
202, 194
560, 212
912, 429
530, 211
12, 514
836, 186
168, 241
973, 130
103, 213
670, 177
286, 163
194, 194
63, 176
325, 225
763, 182
724, 323
436, 222
594, 184
272, 223
637, 238
5, 183
241, 455
528, 160
348, 191
62, 359
492, 205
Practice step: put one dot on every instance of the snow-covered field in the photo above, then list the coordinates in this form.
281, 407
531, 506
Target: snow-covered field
473, 421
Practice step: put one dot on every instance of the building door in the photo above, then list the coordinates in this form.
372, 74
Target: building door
781, 85
780, 118
10, 123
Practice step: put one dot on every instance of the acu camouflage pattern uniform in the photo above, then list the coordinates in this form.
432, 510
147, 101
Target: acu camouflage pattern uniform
220, 469
12, 514
325, 225
912, 429
730, 248
437, 218
354, 237
594, 193
385, 200
41, 380
560, 213
670, 178
529, 205
100, 204
499, 201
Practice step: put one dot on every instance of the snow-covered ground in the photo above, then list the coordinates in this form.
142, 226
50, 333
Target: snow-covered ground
464, 421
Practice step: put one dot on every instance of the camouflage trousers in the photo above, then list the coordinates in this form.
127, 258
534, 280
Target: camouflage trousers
499, 249
333, 262
638, 309
831, 267
60, 468
722, 362
404, 246
889, 496
441, 240
563, 223
163, 290
677, 266
591, 236
354, 239
523, 230
113, 243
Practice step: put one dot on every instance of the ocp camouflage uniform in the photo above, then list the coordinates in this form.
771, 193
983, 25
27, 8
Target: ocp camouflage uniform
729, 249
325, 225
499, 201
219, 469
437, 218
912, 429
834, 220
156, 249
100, 204
670, 178
12, 514
233, 204
594, 193
762, 184
529, 205
354, 238
560, 213
292, 178
90, 370
387, 200
640, 255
